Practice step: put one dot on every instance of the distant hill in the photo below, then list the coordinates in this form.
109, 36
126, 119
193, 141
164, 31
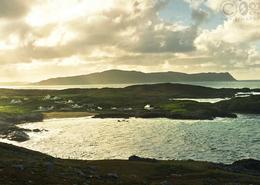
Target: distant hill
135, 77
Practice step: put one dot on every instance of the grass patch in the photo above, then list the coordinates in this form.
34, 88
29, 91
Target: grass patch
13, 109
50, 115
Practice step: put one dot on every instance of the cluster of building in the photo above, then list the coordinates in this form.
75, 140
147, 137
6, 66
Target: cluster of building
71, 105
18, 101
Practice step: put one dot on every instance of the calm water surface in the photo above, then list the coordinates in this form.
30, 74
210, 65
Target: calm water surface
233, 84
220, 140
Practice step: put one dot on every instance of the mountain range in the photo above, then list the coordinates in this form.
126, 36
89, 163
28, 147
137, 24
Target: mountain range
135, 77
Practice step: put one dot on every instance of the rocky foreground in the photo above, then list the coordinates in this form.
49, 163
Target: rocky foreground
19, 166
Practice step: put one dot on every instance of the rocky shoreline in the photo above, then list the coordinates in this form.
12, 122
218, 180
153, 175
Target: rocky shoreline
9, 129
199, 115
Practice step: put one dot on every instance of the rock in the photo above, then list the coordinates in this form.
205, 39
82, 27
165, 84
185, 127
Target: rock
18, 167
249, 166
81, 173
175, 175
165, 183
133, 177
113, 175
36, 130
136, 158
50, 166
93, 177
18, 136
92, 170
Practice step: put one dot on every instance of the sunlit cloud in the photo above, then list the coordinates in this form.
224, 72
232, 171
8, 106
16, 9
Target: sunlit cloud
59, 11
51, 38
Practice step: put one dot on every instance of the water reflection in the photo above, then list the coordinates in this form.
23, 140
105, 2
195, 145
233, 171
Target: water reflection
221, 140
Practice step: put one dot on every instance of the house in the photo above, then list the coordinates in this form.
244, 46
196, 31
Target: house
69, 102
128, 109
90, 105
148, 107
91, 110
16, 101
76, 106
65, 109
47, 97
55, 98
45, 109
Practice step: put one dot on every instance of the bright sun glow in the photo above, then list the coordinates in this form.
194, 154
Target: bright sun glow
47, 13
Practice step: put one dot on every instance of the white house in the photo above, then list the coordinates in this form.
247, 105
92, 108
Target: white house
16, 101
45, 109
76, 106
148, 107
128, 109
70, 102
47, 97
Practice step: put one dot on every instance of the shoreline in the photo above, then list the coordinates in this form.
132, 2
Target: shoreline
10, 130
57, 115
81, 133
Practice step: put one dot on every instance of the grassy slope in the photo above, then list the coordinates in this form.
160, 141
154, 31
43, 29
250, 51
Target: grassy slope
41, 169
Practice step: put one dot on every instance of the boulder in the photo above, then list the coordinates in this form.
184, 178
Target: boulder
18, 167
136, 158
36, 130
112, 175
249, 166
18, 136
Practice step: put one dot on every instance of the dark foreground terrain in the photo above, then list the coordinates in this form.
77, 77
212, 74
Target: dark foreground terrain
19, 166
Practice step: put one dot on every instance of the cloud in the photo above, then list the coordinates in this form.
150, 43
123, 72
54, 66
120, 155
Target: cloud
134, 27
11, 9
232, 45
195, 3
199, 16
73, 38
230, 49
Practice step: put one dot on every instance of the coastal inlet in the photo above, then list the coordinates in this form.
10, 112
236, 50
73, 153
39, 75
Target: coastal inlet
221, 140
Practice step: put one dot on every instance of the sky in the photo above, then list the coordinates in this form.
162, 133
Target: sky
41, 39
